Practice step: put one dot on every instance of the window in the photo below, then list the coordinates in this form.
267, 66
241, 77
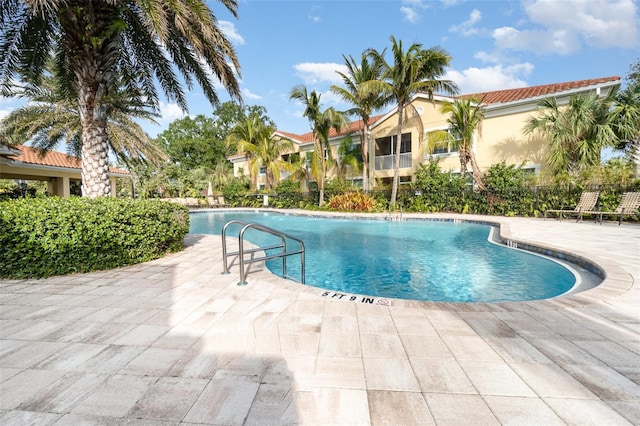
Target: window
531, 169
354, 150
387, 145
292, 158
263, 170
446, 147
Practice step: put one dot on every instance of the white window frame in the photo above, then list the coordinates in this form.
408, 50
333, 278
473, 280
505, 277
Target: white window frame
449, 153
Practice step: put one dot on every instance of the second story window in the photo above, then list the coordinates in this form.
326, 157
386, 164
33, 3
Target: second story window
447, 146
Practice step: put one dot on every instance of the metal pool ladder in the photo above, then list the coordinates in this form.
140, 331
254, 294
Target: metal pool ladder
241, 251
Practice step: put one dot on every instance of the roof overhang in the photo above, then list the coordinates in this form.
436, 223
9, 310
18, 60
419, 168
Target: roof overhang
529, 104
6, 150
10, 163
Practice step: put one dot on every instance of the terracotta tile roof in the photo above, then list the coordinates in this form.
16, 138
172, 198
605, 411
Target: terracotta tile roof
34, 156
511, 95
303, 138
352, 127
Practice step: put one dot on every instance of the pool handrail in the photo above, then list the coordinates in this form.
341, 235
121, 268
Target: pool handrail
241, 251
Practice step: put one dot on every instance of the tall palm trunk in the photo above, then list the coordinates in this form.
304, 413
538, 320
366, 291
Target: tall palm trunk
464, 159
396, 160
323, 173
477, 174
364, 151
95, 142
92, 46
95, 157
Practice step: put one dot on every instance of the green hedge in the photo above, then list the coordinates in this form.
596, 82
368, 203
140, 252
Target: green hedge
54, 236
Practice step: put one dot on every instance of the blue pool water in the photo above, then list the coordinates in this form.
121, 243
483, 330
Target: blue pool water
419, 260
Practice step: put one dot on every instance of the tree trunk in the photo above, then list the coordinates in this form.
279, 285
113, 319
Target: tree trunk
364, 150
477, 174
323, 173
95, 158
462, 153
396, 160
320, 178
92, 46
95, 139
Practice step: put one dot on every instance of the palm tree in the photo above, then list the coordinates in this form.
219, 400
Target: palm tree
51, 117
364, 102
465, 116
576, 132
261, 149
625, 117
349, 157
321, 124
300, 169
268, 154
412, 71
94, 43
245, 135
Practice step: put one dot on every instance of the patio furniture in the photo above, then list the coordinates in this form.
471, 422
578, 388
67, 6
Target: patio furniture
586, 204
629, 204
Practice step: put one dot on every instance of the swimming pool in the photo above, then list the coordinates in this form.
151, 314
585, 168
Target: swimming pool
418, 260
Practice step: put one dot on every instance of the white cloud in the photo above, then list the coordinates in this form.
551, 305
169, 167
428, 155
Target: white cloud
314, 73
409, 14
170, 112
599, 23
449, 3
4, 113
246, 93
474, 80
330, 99
562, 27
229, 29
467, 27
314, 14
560, 42
494, 57
411, 9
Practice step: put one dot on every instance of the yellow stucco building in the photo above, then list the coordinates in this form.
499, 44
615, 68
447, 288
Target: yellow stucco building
500, 137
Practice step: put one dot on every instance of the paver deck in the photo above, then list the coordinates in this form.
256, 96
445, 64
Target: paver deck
175, 342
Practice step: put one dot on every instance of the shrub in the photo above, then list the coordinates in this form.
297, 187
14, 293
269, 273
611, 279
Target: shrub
288, 186
352, 201
337, 186
54, 236
436, 190
508, 193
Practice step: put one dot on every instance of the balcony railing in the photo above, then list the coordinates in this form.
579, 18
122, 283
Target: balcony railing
385, 162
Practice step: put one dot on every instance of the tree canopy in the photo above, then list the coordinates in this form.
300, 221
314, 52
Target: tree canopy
143, 45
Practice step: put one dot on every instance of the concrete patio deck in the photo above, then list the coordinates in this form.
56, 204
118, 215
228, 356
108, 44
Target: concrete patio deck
175, 342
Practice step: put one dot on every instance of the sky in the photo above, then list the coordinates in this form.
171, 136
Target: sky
493, 44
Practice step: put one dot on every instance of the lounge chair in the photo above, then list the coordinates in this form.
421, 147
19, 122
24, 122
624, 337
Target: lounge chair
588, 201
629, 204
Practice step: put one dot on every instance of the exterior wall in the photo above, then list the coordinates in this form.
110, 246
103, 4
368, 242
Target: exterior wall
502, 138
431, 119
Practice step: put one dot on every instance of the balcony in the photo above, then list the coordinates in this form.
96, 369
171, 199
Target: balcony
385, 162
